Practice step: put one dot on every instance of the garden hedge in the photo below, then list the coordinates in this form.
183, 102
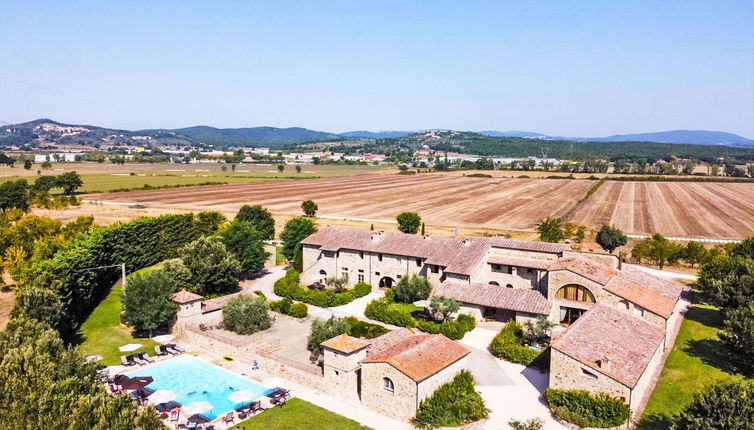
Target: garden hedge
287, 307
288, 286
584, 409
453, 404
363, 329
509, 345
139, 243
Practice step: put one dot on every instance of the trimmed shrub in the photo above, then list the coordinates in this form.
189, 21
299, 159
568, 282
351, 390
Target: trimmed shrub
363, 329
381, 310
412, 288
509, 345
584, 409
281, 306
451, 329
298, 310
288, 287
260, 294
453, 404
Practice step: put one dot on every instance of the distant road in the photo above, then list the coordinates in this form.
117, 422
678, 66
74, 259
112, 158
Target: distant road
665, 274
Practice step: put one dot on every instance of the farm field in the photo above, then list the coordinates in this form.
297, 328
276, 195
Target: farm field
514, 204
102, 177
676, 209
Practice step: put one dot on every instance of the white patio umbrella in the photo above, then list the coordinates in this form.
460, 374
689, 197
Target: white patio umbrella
274, 383
163, 338
242, 396
114, 370
422, 303
90, 358
197, 408
162, 396
130, 347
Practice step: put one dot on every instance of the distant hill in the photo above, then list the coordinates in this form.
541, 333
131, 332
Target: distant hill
363, 134
694, 137
493, 133
272, 136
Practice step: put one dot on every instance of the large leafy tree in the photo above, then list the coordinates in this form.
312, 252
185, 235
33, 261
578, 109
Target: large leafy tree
43, 184
444, 306
69, 182
246, 315
551, 230
610, 238
412, 288
14, 194
296, 230
657, 249
260, 217
744, 249
695, 253
723, 406
146, 300
246, 243
323, 330
181, 275
408, 222
212, 267
309, 207
40, 304
738, 336
728, 282
43, 381
208, 222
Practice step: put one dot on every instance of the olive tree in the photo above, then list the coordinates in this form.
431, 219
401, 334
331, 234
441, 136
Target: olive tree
246, 315
309, 207
323, 330
412, 288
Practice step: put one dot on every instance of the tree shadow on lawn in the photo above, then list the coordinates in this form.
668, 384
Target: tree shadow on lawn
709, 317
713, 353
654, 422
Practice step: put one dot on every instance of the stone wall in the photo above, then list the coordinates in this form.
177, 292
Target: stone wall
400, 404
567, 373
646, 378
428, 386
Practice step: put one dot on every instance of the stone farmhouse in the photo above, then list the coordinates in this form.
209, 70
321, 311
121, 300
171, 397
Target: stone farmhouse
617, 317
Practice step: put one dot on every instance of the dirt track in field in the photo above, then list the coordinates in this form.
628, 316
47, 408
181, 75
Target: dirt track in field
515, 204
677, 209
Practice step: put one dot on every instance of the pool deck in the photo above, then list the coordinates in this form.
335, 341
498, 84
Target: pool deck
339, 406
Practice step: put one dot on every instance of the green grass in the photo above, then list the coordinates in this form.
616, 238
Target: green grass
299, 414
279, 257
697, 360
408, 307
103, 333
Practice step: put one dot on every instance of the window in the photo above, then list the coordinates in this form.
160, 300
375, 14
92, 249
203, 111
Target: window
494, 283
419, 262
376, 273
575, 292
570, 315
508, 286
361, 277
387, 384
434, 268
497, 268
329, 254
399, 276
588, 374
361, 254
344, 272
379, 257
510, 270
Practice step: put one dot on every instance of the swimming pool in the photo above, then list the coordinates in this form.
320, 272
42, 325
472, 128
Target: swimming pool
194, 380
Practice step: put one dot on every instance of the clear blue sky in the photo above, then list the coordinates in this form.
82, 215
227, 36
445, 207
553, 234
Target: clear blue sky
566, 68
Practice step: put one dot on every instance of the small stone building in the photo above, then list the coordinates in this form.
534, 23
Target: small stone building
609, 351
189, 304
392, 373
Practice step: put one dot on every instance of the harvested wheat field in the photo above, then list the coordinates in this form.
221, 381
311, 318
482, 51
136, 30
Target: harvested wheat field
712, 210
513, 204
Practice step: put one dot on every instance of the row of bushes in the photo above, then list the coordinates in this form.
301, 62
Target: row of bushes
288, 286
585, 409
384, 310
509, 345
287, 307
453, 404
363, 329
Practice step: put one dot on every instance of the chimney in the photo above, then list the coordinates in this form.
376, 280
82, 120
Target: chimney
604, 363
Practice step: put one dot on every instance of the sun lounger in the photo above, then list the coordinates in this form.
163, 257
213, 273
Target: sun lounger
138, 360
125, 361
172, 350
145, 356
158, 351
176, 347
257, 407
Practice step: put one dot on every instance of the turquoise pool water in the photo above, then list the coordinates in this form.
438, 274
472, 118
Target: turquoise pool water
194, 380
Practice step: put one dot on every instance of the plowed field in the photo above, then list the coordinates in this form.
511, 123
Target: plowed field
515, 204
677, 209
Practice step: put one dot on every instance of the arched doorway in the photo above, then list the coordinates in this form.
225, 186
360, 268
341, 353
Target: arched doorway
386, 282
574, 293
322, 276
494, 283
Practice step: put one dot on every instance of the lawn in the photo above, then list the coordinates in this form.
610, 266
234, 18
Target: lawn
299, 414
695, 361
103, 333
408, 307
279, 257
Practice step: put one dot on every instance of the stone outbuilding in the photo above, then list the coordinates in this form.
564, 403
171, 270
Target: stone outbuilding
609, 351
189, 304
392, 373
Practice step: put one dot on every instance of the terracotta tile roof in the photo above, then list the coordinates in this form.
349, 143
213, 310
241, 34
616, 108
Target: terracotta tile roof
216, 303
519, 262
420, 356
585, 267
521, 300
457, 256
184, 296
650, 292
345, 343
388, 339
626, 341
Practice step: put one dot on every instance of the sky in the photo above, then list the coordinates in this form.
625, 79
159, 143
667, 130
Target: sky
578, 68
